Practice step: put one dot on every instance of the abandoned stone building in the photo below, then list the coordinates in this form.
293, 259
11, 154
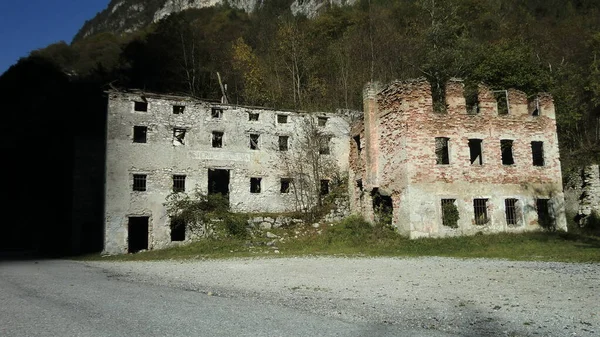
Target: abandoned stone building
488, 166
158, 144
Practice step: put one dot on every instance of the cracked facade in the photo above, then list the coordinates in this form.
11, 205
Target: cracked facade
157, 144
489, 167
498, 171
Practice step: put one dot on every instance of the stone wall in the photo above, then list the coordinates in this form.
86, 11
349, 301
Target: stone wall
400, 131
161, 157
590, 196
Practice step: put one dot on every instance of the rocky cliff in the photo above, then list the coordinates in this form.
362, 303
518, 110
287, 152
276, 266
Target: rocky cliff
131, 15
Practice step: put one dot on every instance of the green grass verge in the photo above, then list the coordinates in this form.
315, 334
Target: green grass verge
354, 237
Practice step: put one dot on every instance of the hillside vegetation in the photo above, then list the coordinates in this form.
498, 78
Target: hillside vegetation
270, 57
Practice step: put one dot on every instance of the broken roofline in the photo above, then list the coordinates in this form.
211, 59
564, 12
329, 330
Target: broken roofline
213, 102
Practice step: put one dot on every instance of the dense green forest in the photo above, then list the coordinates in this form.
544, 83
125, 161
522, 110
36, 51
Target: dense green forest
272, 58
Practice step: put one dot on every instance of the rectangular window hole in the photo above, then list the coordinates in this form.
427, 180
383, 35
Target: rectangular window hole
139, 182
255, 185
285, 185
216, 113
480, 209
217, 139
283, 143
218, 181
475, 151
543, 212
324, 144
450, 215
506, 146
253, 116
501, 102
140, 106
537, 152
324, 187
178, 136
140, 134
511, 212
178, 183
177, 230
442, 153
254, 141
178, 109
357, 143
282, 119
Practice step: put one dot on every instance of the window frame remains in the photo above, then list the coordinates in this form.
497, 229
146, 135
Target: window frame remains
254, 141
179, 183
140, 182
476, 151
506, 151
217, 139
442, 150
179, 136
216, 113
480, 211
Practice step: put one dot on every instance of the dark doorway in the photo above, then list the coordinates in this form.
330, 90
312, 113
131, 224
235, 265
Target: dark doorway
138, 233
382, 207
218, 182
177, 230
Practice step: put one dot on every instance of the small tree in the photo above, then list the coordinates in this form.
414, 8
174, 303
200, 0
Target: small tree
308, 163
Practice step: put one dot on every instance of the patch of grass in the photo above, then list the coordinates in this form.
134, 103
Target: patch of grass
355, 237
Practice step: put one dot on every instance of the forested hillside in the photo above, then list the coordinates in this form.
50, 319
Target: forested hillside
270, 57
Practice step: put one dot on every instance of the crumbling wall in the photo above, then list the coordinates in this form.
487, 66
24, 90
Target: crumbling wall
590, 196
404, 163
162, 156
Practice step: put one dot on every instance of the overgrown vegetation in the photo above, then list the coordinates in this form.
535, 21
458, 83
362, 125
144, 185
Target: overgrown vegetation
206, 215
270, 57
355, 237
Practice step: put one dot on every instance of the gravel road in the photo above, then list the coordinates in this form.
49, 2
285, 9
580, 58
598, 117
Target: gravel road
466, 297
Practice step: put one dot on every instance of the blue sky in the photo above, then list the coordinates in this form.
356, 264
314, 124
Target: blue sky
26, 25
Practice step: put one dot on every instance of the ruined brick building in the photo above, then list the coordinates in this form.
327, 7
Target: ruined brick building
490, 167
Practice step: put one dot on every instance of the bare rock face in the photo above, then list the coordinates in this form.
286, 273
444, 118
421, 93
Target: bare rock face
130, 15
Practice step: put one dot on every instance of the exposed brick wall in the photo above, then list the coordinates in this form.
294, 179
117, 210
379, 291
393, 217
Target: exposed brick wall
400, 130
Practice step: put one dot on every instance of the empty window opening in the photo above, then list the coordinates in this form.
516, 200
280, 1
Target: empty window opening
545, 219
253, 116
324, 145
178, 109
217, 139
140, 134
139, 182
438, 96
254, 141
450, 215
322, 121
178, 183
218, 182
255, 185
480, 209
177, 230
357, 143
216, 113
534, 107
475, 151
510, 209
282, 119
285, 185
383, 207
283, 143
178, 136
442, 152
537, 152
501, 102
137, 231
140, 106
359, 184
506, 146
324, 187
472, 99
